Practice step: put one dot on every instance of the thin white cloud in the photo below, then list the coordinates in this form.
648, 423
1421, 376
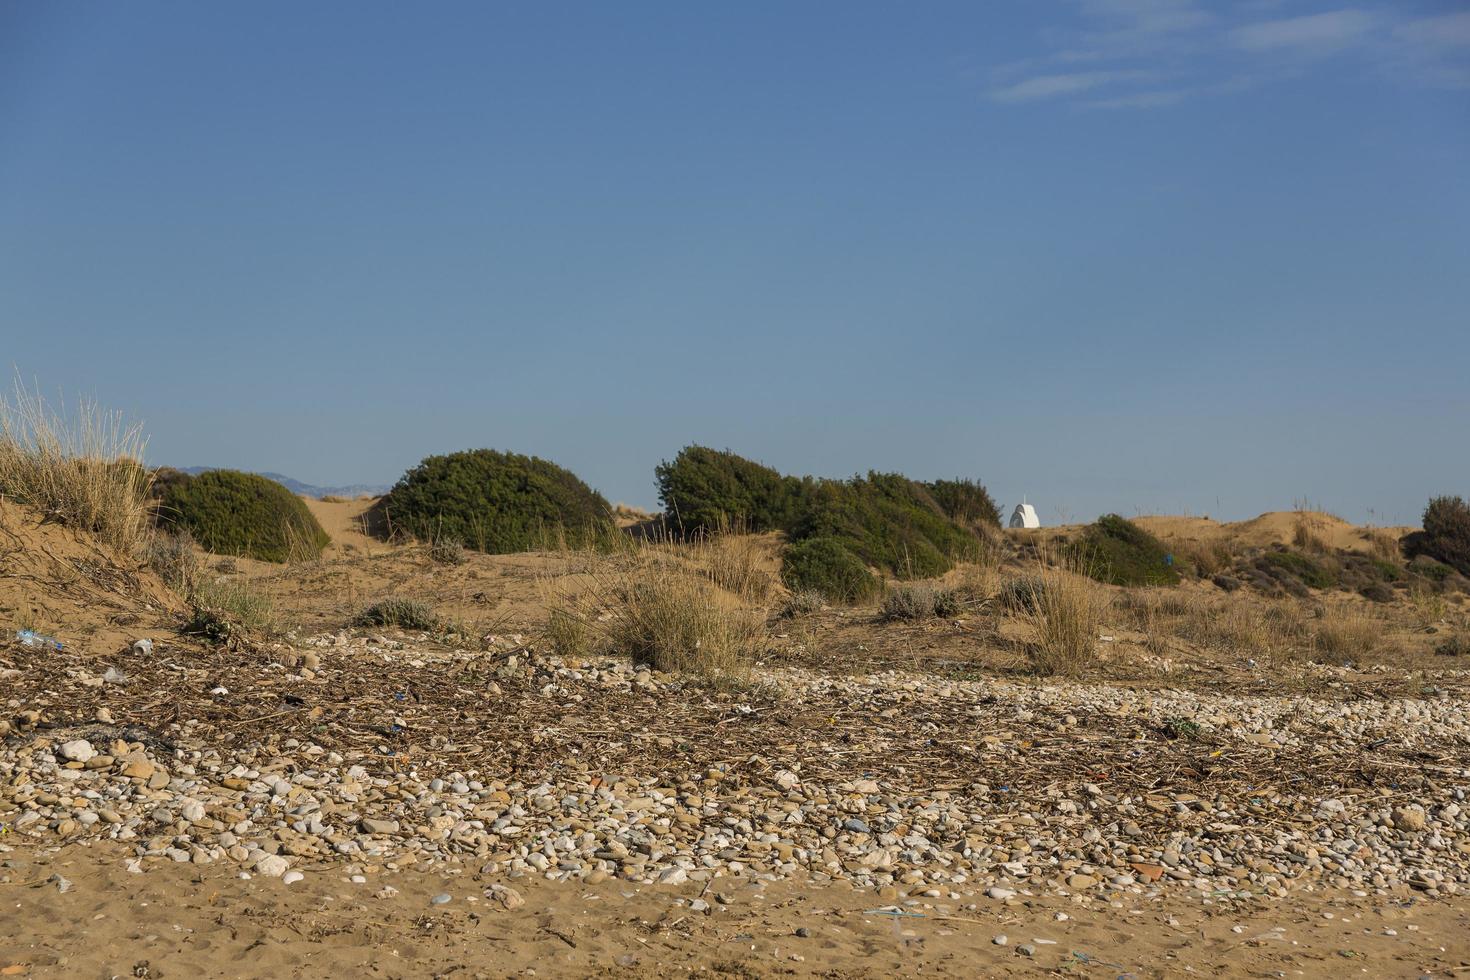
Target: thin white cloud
1142, 100
1315, 32
1448, 31
1152, 16
1052, 86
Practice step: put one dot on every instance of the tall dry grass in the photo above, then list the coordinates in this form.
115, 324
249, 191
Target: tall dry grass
694, 607
1349, 635
84, 469
1064, 608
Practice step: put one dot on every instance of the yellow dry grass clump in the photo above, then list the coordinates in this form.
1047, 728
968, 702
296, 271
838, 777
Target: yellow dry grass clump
84, 469
1064, 609
697, 607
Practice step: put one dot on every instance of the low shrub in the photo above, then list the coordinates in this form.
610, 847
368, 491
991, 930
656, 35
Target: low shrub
1446, 535
404, 614
828, 567
494, 502
705, 489
1455, 646
447, 551
1115, 550
803, 603
965, 501
920, 602
242, 514
1284, 565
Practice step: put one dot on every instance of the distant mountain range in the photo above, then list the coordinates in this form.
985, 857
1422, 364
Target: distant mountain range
306, 489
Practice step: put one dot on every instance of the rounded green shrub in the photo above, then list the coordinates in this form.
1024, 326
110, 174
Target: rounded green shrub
965, 501
827, 566
1447, 532
242, 514
889, 522
494, 502
1114, 549
707, 489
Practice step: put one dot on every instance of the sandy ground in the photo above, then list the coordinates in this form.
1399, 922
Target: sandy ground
182, 921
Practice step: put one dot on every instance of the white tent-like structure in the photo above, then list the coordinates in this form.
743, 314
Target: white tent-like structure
1024, 516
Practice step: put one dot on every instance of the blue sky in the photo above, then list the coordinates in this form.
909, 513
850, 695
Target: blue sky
1118, 255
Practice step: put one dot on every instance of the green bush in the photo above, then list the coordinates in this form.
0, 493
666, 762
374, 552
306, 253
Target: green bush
1447, 532
888, 521
965, 501
709, 489
233, 513
883, 521
1114, 549
1310, 572
494, 502
825, 565
405, 614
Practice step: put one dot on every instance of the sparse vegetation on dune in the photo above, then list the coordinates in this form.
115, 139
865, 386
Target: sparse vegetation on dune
242, 514
494, 502
84, 469
839, 529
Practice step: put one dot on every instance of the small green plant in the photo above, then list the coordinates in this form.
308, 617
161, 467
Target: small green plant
227, 610
825, 565
568, 632
241, 514
1177, 727
404, 614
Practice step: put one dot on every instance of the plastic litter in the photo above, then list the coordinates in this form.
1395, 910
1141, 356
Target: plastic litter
143, 647
30, 638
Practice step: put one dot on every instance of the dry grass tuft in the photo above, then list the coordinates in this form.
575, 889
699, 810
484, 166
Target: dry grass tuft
1349, 635
1064, 609
227, 610
696, 608
83, 469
